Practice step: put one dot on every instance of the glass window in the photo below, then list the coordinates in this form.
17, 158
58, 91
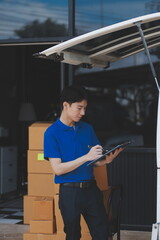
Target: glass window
33, 19
94, 14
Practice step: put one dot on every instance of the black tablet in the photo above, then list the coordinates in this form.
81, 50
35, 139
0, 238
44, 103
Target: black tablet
121, 145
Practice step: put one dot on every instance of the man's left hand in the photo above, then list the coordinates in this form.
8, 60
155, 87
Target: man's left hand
111, 156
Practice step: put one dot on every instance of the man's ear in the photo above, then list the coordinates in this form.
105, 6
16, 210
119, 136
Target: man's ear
65, 104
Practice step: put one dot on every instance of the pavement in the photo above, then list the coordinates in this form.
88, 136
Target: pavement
11, 231
15, 232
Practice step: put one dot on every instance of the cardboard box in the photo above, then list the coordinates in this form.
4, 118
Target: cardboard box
41, 185
56, 188
60, 235
106, 196
43, 226
37, 163
38, 236
59, 220
86, 236
28, 208
100, 174
84, 226
36, 135
43, 208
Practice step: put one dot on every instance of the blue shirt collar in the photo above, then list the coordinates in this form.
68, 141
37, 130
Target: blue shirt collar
67, 128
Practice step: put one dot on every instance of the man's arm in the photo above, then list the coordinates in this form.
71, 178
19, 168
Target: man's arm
60, 167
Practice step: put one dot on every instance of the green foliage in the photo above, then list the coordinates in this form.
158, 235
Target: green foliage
48, 28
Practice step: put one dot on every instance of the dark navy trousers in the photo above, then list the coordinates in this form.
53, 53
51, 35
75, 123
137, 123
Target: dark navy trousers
74, 202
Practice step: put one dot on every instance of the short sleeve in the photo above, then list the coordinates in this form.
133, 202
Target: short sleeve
95, 140
51, 148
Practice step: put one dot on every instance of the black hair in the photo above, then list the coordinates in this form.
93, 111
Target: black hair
72, 94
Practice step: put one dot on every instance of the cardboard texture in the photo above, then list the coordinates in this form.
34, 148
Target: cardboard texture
60, 235
28, 208
86, 236
38, 236
106, 196
101, 177
84, 227
43, 208
56, 188
59, 220
36, 132
37, 163
43, 226
41, 185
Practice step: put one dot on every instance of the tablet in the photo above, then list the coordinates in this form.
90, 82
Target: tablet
121, 145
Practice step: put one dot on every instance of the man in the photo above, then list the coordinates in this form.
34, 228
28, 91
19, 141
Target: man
66, 145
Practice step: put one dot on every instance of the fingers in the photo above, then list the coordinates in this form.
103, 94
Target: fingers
95, 152
95, 146
112, 155
115, 153
97, 149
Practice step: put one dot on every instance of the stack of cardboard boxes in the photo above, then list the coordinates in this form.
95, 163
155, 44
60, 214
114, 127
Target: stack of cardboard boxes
41, 204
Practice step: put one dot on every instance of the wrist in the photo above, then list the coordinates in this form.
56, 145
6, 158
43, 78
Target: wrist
87, 158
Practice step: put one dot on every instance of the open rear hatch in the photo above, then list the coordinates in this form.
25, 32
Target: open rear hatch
101, 47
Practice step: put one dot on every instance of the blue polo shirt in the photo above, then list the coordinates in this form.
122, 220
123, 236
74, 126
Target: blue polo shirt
68, 143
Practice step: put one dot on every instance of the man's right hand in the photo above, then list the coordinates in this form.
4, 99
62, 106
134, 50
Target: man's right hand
94, 153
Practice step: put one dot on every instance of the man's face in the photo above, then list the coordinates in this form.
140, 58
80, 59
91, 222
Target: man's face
75, 111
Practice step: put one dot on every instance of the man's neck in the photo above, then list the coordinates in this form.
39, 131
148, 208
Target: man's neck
66, 121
